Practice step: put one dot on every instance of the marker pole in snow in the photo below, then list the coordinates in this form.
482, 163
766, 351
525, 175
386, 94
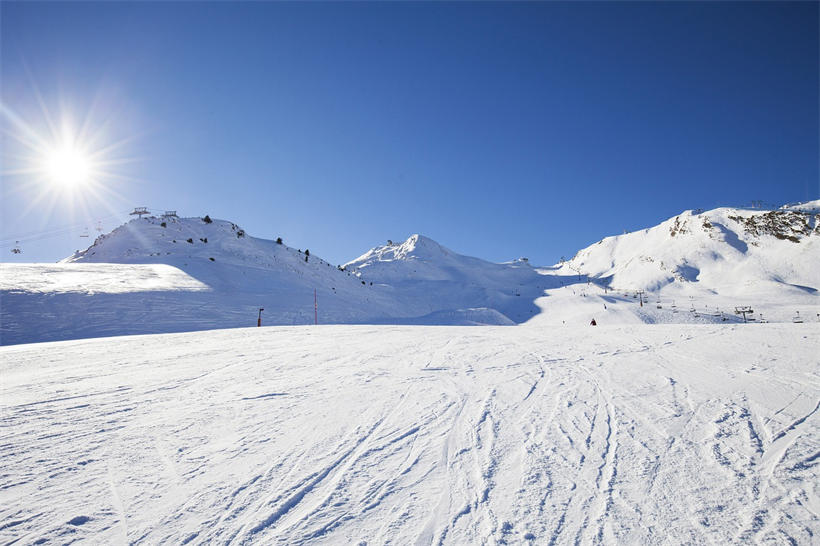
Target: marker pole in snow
315, 308
259, 320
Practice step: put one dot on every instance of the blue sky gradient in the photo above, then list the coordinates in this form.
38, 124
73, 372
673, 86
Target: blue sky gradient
500, 130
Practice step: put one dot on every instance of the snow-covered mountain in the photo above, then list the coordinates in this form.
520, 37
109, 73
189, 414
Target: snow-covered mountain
700, 267
156, 275
193, 242
731, 251
428, 277
420, 258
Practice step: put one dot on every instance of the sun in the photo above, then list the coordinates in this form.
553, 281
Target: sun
68, 167
61, 161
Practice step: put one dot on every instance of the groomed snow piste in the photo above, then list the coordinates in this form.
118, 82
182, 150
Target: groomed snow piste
641, 434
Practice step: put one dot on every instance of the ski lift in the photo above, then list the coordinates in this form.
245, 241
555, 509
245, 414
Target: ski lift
796, 319
99, 227
16, 248
84, 233
744, 310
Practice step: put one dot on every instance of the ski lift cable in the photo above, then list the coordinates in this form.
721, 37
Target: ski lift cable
33, 239
47, 232
61, 228
36, 236
51, 232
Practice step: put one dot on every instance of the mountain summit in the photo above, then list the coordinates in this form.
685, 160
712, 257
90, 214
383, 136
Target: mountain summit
420, 258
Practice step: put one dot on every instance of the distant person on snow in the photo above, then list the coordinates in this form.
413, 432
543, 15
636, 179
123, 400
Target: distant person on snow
593, 323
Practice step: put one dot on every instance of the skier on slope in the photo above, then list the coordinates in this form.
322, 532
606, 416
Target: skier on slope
593, 323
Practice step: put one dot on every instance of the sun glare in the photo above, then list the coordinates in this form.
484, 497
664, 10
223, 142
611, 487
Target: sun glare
63, 162
68, 167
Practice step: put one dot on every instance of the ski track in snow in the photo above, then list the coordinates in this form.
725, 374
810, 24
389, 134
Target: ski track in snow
415, 435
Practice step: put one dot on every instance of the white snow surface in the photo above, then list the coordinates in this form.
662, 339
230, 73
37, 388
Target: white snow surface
631, 434
91, 278
806, 206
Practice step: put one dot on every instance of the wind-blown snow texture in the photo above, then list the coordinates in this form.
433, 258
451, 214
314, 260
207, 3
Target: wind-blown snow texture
156, 275
666, 434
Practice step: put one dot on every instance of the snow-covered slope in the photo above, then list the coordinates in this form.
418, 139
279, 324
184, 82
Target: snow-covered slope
667, 434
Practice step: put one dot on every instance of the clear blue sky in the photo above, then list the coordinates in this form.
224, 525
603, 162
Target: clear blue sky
498, 129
